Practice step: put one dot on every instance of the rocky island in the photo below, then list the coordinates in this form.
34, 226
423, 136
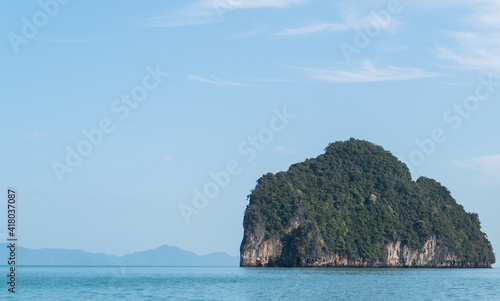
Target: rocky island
357, 206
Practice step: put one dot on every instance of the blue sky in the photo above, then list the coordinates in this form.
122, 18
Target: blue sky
172, 93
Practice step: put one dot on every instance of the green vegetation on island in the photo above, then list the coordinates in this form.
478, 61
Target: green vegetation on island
361, 198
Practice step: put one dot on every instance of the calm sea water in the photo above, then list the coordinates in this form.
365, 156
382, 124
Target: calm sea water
171, 283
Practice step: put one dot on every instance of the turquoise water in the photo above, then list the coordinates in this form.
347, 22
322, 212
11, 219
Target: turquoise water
164, 283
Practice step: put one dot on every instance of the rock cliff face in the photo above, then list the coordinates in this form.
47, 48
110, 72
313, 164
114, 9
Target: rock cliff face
281, 230
296, 251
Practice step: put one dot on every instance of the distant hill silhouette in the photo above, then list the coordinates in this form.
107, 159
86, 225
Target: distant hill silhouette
162, 256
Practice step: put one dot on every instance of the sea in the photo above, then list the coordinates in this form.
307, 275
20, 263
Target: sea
234, 283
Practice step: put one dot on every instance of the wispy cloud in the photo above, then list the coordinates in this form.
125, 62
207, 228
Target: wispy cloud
312, 28
479, 47
244, 4
276, 80
71, 40
36, 135
476, 52
487, 14
352, 21
285, 151
194, 15
218, 81
487, 166
209, 11
168, 159
366, 72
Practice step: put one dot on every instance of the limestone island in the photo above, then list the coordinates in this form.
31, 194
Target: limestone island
357, 206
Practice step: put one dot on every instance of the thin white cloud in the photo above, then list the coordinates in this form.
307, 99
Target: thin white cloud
36, 135
209, 11
479, 47
168, 159
285, 151
352, 19
190, 16
71, 40
487, 14
244, 4
487, 166
218, 81
276, 80
351, 23
366, 72
476, 52
312, 28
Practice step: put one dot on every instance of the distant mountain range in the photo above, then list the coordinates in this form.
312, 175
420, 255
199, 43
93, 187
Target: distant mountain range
162, 256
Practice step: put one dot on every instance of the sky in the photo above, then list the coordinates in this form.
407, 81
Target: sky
128, 126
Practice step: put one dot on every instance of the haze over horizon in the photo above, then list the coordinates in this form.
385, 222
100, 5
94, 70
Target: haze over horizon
128, 127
